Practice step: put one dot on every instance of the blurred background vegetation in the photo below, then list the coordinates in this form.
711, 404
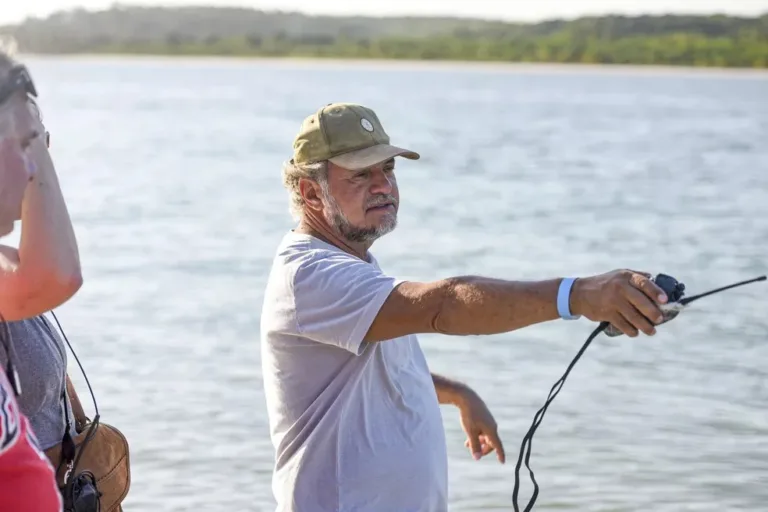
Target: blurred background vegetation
717, 40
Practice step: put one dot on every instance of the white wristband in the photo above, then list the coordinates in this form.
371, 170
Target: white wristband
564, 298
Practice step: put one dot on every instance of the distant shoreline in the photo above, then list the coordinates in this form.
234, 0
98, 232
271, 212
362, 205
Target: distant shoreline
419, 64
710, 42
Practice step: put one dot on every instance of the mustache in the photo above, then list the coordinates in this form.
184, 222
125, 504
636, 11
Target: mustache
381, 200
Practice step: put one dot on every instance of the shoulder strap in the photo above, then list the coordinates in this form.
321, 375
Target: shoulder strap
77, 408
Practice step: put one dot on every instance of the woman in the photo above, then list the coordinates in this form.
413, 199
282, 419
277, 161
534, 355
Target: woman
48, 245
42, 274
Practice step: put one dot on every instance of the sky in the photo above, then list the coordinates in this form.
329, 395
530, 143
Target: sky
15, 11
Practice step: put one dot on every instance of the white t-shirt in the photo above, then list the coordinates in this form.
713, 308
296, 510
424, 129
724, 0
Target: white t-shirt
356, 426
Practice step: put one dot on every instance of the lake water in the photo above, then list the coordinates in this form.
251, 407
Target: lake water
171, 169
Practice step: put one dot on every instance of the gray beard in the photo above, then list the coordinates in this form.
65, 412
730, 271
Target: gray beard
341, 224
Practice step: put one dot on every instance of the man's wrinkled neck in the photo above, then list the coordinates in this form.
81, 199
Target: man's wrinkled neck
312, 225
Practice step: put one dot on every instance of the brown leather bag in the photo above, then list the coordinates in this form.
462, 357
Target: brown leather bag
98, 448
105, 454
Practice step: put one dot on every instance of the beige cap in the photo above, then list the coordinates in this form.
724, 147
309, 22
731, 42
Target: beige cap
349, 135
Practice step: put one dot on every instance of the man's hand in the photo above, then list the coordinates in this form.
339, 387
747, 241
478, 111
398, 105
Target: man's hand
625, 298
479, 425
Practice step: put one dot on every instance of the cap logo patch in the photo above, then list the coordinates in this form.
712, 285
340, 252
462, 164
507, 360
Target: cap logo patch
366, 124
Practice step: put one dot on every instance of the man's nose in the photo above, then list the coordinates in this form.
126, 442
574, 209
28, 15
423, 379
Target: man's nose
381, 182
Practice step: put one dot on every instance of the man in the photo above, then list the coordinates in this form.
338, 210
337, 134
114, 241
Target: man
354, 411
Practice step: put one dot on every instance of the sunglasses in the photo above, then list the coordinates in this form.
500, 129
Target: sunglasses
18, 79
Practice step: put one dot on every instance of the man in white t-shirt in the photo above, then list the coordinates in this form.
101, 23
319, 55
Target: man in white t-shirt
353, 408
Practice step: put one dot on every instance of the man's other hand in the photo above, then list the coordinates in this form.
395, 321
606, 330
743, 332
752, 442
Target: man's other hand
479, 426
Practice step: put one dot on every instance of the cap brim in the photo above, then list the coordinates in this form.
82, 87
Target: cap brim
368, 157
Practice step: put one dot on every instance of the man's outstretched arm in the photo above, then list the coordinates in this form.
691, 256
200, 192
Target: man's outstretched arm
474, 305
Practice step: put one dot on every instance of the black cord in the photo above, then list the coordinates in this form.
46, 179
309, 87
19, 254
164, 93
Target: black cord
528, 439
87, 382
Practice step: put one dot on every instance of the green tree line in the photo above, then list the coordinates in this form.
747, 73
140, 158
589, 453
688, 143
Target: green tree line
674, 49
721, 41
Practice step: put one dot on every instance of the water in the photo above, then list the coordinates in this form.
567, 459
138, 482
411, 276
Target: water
171, 172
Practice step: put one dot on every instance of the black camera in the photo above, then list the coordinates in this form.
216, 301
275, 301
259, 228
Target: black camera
81, 494
671, 286
674, 291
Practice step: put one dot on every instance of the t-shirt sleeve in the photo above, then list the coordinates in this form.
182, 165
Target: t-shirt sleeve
337, 297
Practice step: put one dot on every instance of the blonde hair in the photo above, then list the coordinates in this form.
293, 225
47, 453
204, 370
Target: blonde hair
293, 173
8, 46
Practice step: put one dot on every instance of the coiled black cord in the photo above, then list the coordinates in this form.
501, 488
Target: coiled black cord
525, 448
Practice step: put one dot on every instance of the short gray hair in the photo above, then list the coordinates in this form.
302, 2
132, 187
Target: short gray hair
293, 172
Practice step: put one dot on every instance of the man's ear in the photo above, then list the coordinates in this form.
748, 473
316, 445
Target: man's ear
310, 192
48, 138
